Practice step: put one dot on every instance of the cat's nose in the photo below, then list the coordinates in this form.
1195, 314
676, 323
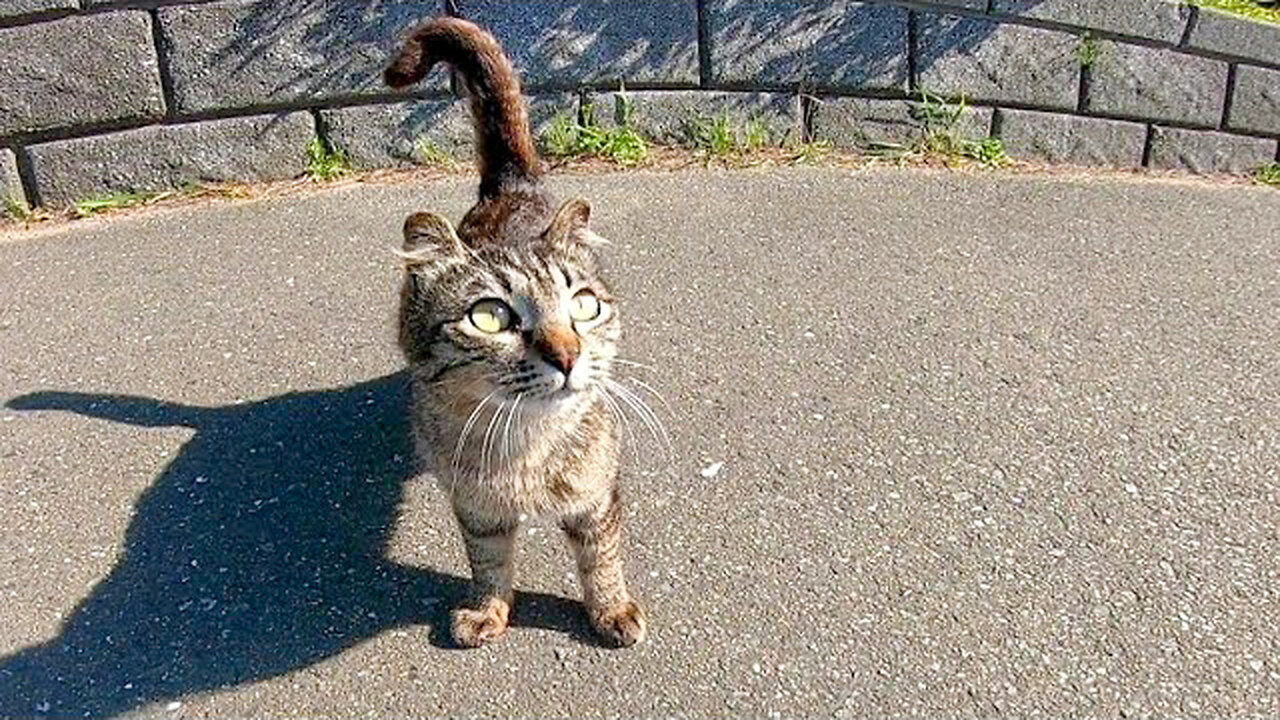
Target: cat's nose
557, 345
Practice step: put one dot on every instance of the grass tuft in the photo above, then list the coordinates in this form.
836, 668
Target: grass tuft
570, 137
1089, 52
811, 153
718, 136
116, 201
326, 161
939, 120
18, 209
427, 153
1269, 175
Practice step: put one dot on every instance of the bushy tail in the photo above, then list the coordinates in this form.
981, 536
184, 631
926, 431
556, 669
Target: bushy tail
505, 146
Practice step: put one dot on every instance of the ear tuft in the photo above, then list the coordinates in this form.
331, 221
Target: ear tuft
428, 237
570, 222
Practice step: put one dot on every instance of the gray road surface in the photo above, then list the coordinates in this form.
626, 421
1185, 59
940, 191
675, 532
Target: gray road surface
991, 444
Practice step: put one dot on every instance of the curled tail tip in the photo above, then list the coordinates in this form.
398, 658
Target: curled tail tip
406, 68
398, 78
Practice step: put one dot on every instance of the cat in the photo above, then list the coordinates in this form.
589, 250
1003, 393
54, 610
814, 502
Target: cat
510, 332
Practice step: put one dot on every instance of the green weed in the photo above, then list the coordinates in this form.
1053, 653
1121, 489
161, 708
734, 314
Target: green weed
567, 136
18, 209
1089, 52
939, 121
989, 152
1269, 175
719, 136
811, 153
326, 161
713, 135
115, 201
426, 152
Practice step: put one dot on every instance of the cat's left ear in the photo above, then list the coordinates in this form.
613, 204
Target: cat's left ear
570, 225
430, 238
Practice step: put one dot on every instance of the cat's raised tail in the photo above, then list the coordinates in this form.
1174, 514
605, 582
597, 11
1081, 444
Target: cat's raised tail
506, 152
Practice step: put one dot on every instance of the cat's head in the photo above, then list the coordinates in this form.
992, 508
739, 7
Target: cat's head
533, 320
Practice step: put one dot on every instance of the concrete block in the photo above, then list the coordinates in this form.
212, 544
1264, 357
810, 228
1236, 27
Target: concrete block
380, 136
821, 45
1231, 34
243, 53
1255, 105
11, 192
1164, 20
77, 71
862, 122
672, 117
564, 44
1209, 152
14, 8
262, 147
991, 62
1073, 140
1156, 84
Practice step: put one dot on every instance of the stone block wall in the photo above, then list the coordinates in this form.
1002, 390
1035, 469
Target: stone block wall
99, 96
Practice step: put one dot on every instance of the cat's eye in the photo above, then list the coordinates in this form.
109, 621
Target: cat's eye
584, 307
491, 316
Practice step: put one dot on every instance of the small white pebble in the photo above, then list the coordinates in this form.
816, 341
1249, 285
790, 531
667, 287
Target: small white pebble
173, 706
712, 470
1256, 665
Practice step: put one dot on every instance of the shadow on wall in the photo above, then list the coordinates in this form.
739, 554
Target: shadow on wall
307, 48
259, 550
276, 51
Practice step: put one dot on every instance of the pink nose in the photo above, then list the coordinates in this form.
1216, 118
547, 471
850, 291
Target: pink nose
557, 345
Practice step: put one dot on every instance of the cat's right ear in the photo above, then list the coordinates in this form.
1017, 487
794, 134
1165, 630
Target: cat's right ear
430, 238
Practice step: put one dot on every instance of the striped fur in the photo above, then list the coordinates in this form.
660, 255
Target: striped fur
520, 421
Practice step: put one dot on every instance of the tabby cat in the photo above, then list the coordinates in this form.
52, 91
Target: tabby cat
510, 333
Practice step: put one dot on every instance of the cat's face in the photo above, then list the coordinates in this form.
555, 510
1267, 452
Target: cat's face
534, 322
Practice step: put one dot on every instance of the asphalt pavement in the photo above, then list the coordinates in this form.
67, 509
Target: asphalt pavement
943, 444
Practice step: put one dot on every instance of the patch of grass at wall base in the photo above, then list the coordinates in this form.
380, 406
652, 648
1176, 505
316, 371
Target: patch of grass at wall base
428, 154
325, 161
1269, 175
569, 137
18, 209
116, 201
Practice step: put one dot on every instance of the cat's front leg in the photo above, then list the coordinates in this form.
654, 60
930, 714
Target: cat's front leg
491, 551
596, 539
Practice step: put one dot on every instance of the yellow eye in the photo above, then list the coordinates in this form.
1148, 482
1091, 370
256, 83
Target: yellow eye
585, 306
491, 316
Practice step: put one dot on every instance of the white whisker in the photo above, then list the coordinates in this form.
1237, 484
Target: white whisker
646, 414
485, 446
655, 393
633, 363
466, 430
506, 430
622, 419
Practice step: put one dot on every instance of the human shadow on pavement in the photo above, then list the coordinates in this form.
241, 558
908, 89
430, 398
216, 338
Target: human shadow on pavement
260, 549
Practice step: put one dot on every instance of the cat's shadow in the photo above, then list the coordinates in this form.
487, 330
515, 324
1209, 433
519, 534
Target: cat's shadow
261, 548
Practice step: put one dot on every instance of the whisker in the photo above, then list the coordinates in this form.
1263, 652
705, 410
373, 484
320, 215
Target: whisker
655, 393
645, 413
466, 430
633, 363
506, 430
488, 436
622, 419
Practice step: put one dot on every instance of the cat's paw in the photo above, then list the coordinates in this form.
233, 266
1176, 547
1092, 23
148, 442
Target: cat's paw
474, 627
623, 624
